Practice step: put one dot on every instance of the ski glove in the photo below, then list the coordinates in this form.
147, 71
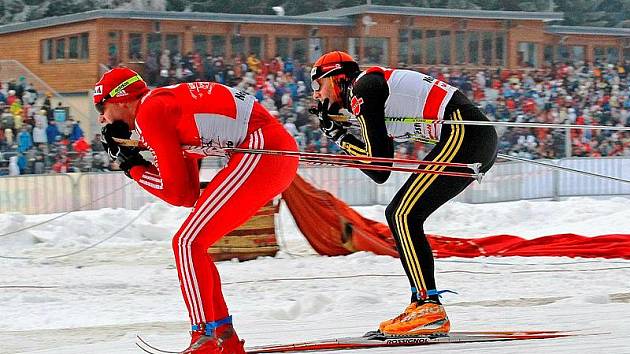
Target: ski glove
334, 131
127, 157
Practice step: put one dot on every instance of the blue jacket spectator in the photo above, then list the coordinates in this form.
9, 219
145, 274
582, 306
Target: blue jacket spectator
259, 95
24, 140
288, 66
76, 132
52, 131
292, 86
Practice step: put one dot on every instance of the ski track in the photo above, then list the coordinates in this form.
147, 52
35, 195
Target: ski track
99, 300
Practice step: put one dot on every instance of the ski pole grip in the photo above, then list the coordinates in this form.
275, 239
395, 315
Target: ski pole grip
338, 117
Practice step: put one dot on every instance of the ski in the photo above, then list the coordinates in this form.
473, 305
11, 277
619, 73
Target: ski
148, 348
378, 340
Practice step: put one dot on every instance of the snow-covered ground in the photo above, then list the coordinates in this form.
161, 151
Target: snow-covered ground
96, 301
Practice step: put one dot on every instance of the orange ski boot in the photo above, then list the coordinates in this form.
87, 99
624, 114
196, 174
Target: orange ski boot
418, 319
409, 309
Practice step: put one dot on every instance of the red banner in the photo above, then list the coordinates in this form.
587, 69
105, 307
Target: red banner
333, 228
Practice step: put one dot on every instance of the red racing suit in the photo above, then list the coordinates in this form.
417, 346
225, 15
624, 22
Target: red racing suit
209, 114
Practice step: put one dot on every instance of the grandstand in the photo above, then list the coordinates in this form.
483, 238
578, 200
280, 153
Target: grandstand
519, 66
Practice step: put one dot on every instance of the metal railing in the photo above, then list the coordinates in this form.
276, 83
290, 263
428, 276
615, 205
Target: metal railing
508, 181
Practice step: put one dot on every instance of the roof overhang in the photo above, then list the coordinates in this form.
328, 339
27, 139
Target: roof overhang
436, 12
592, 31
176, 16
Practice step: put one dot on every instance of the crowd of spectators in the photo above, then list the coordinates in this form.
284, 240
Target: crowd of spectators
565, 93
577, 93
568, 93
34, 141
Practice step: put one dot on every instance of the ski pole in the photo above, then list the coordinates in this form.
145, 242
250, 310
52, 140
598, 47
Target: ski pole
475, 175
321, 157
329, 157
413, 120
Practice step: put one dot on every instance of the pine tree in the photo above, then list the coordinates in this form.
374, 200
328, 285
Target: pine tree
608, 13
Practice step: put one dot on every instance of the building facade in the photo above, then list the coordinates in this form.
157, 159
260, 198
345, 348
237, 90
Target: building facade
71, 52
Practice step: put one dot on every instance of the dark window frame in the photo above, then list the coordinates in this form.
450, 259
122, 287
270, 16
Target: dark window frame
71, 48
60, 48
133, 39
201, 43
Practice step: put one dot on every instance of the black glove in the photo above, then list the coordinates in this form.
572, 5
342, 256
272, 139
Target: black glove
126, 156
331, 129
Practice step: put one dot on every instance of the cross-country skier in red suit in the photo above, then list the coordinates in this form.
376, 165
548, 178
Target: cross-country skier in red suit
378, 98
208, 114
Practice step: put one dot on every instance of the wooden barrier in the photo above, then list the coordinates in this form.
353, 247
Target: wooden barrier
256, 237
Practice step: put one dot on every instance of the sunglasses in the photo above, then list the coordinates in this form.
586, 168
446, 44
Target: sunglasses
100, 105
315, 85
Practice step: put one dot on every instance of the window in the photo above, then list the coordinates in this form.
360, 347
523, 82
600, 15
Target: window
315, 46
577, 52
460, 47
112, 52
173, 43
135, 46
562, 54
282, 47
84, 53
499, 49
445, 47
47, 50
218, 45
548, 54
113, 49
238, 45
403, 46
527, 54
599, 53
337, 43
473, 47
612, 55
430, 41
200, 44
60, 48
376, 50
486, 47
73, 47
416, 47
300, 49
256, 46
353, 48
154, 43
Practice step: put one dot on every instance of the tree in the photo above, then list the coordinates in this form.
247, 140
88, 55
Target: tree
577, 12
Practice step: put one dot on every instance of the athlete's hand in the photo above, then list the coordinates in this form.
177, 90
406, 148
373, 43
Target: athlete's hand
127, 157
117, 129
331, 129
